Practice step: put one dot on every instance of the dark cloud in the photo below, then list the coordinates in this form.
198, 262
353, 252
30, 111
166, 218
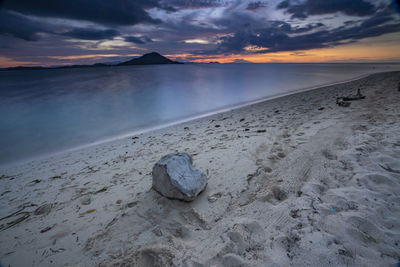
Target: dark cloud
396, 4
288, 29
321, 7
138, 40
236, 20
91, 34
307, 28
21, 27
252, 6
284, 4
191, 27
109, 12
229, 29
195, 4
374, 21
281, 36
380, 17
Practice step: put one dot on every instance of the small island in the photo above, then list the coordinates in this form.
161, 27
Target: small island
152, 58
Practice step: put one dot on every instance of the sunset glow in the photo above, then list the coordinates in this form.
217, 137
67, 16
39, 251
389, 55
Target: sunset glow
200, 31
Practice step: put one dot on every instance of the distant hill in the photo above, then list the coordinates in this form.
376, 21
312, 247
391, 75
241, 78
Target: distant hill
149, 59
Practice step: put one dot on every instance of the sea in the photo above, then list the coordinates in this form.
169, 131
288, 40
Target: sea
48, 111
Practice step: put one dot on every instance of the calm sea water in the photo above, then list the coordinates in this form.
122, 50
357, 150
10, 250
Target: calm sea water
46, 111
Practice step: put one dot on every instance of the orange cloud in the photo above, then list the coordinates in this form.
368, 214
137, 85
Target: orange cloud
7, 62
362, 52
366, 50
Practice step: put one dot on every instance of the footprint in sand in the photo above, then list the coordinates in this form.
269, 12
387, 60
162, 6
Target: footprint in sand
278, 193
266, 169
328, 154
380, 183
245, 238
195, 219
154, 256
364, 230
339, 203
281, 155
389, 164
178, 230
232, 260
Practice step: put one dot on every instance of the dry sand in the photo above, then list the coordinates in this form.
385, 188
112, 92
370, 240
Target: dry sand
296, 180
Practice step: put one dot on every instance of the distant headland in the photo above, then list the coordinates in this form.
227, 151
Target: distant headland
153, 58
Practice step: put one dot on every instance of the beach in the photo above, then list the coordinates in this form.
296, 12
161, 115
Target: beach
296, 180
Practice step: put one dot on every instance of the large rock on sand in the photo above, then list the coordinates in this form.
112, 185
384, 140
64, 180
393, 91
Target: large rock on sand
174, 177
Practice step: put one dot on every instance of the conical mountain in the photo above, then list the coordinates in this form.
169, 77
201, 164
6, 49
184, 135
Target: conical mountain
149, 59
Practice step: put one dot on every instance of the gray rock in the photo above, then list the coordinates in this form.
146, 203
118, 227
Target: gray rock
174, 177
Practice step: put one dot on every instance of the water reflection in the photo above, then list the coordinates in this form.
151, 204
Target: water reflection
44, 111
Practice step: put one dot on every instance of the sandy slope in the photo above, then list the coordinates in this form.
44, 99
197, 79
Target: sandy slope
292, 181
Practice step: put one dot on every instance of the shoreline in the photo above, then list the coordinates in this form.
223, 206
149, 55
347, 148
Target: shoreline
179, 122
296, 180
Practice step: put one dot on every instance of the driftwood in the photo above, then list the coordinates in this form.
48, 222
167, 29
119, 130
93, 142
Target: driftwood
358, 96
353, 97
343, 101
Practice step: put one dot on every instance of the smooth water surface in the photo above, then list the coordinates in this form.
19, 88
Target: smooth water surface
45, 111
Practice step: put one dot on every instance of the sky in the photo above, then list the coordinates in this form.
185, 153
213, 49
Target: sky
65, 32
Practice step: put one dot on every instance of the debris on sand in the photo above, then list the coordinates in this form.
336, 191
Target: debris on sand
44, 209
341, 102
344, 100
357, 96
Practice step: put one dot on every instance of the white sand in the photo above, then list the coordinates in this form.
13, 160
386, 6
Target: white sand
290, 183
